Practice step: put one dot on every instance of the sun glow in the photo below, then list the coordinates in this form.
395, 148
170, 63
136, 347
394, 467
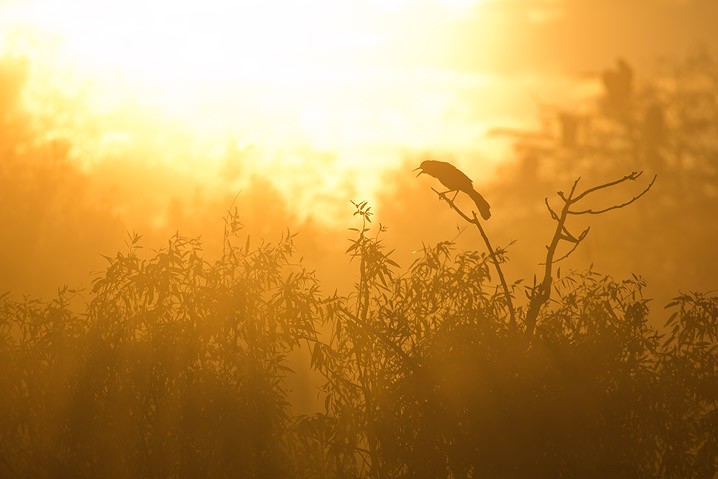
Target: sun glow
356, 79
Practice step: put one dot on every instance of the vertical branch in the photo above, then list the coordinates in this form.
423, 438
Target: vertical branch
542, 293
363, 293
362, 356
492, 254
499, 271
359, 248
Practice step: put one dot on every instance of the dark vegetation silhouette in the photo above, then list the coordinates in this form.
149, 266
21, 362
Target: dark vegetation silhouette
177, 368
176, 361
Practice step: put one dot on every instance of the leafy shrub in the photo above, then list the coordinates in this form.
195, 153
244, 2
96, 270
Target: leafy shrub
175, 369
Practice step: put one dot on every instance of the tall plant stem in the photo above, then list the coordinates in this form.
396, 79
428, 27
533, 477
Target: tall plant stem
492, 254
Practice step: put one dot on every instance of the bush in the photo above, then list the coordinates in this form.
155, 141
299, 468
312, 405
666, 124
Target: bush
176, 367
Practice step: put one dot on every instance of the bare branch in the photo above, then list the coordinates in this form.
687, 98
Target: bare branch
630, 177
615, 207
570, 195
568, 236
575, 245
550, 210
541, 294
453, 206
499, 271
573, 190
492, 254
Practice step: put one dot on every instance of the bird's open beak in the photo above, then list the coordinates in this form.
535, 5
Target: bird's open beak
419, 168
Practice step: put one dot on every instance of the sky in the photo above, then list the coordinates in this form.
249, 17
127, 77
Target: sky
167, 103
362, 82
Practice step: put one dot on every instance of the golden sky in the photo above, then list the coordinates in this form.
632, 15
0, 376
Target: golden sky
345, 86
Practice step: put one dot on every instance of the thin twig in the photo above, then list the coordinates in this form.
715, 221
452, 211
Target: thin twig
443, 197
614, 207
573, 248
554, 216
573, 189
630, 177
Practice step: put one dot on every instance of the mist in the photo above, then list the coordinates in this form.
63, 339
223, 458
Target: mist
485, 250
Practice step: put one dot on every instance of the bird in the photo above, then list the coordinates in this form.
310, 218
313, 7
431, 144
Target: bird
454, 179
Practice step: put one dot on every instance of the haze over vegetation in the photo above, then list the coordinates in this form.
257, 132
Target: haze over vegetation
215, 259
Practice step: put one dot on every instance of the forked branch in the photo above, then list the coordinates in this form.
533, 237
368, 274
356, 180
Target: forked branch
540, 294
631, 177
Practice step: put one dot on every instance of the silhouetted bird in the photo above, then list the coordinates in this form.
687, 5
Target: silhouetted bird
455, 180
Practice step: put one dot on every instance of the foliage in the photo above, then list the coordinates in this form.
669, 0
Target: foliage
177, 366
175, 369
434, 382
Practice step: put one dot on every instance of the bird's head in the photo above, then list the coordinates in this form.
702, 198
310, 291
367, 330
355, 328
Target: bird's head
425, 165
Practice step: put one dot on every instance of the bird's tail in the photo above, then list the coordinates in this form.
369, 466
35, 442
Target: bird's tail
481, 204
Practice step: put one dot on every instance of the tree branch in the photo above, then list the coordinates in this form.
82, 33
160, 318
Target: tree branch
615, 207
541, 293
573, 248
630, 177
492, 254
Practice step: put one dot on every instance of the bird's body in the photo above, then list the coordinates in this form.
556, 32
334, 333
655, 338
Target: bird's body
455, 180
